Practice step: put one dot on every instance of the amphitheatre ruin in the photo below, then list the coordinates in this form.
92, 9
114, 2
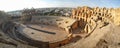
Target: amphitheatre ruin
84, 28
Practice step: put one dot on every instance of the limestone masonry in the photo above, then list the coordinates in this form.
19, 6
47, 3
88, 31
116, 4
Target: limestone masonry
60, 31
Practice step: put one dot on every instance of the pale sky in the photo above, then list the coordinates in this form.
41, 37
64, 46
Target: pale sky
11, 5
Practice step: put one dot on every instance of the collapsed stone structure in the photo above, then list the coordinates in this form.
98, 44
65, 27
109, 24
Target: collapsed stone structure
87, 17
105, 18
43, 31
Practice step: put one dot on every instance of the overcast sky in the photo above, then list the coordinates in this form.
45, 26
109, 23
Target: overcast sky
11, 5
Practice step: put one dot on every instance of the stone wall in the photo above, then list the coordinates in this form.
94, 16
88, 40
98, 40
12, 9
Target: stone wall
61, 43
116, 16
87, 16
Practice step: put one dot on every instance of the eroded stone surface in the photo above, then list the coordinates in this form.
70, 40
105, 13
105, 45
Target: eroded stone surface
94, 28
